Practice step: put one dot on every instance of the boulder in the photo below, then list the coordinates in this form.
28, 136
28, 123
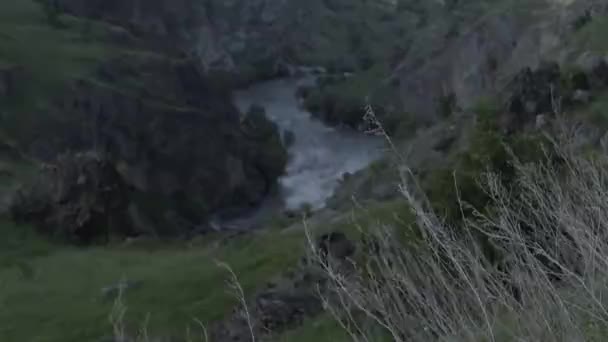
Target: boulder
581, 97
532, 93
541, 121
80, 198
335, 245
279, 310
535, 94
476, 53
587, 62
284, 304
445, 143
595, 67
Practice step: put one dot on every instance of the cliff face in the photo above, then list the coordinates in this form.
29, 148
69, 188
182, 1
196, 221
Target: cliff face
181, 145
142, 106
228, 36
465, 57
255, 39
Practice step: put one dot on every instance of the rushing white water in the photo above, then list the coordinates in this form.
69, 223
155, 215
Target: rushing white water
320, 155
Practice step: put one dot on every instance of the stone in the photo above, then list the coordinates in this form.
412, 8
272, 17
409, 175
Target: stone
280, 309
541, 121
532, 92
595, 67
588, 62
445, 142
581, 96
335, 245
81, 198
283, 304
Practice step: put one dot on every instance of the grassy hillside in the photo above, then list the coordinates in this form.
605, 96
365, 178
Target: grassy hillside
51, 292
355, 34
58, 289
43, 55
49, 55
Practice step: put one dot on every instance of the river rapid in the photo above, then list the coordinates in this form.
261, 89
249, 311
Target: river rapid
319, 155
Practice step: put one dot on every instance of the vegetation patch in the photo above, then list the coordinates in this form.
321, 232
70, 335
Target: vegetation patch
455, 190
591, 36
342, 100
61, 288
178, 283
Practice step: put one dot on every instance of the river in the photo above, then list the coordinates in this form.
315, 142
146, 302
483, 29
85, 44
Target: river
319, 155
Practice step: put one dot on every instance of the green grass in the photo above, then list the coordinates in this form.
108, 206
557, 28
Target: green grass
372, 220
52, 293
19, 244
355, 29
61, 301
50, 56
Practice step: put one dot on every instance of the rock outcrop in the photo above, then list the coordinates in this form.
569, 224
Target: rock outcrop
81, 198
157, 117
289, 300
233, 37
177, 144
535, 95
248, 40
470, 53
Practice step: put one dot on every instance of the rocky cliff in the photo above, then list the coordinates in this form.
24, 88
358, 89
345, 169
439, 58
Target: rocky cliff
229, 37
474, 50
145, 109
248, 40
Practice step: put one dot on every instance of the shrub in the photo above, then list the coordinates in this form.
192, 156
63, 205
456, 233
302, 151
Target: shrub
486, 151
489, 151
336, 106
342, 100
